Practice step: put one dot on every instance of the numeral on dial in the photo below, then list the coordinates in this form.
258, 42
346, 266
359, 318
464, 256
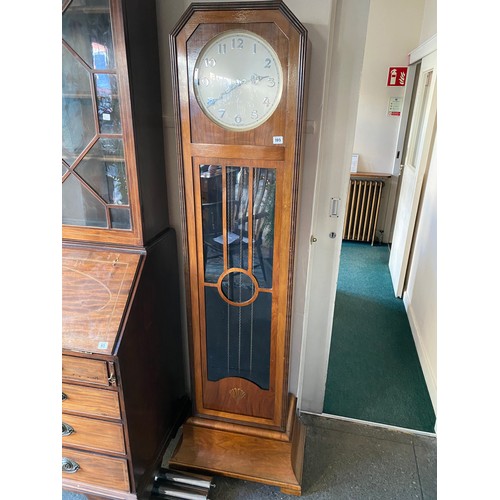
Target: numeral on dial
237, 43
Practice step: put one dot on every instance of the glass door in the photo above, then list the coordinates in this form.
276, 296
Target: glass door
236, 249
95, 181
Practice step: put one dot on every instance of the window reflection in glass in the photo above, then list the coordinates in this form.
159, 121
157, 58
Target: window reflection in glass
237, 216
264, 191
108, 109
86, 27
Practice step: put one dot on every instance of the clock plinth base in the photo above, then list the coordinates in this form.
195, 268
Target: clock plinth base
267, 457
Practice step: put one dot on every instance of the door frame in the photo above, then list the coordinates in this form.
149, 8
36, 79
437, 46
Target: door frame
399, 268
340, 103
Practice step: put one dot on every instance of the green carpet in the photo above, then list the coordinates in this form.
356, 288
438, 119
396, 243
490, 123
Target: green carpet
374, 373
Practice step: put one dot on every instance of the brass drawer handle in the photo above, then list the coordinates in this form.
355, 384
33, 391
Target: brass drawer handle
64, 397
69, 465
67, 429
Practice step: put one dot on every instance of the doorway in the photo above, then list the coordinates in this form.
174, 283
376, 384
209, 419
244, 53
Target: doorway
418, 147
374, 371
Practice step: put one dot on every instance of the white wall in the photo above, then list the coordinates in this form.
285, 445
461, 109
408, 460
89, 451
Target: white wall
393, 31
420, 297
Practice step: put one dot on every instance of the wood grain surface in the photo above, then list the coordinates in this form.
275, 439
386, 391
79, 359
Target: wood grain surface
96, 286
90, 401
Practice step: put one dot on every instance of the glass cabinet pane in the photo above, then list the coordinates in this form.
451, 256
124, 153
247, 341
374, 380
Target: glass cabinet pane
77, 108
86, 27
108, 105
80, 207
103, 169
120, 218
98, 195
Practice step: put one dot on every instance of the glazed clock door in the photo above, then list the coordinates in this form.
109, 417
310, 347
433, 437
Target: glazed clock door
238, 75
235, 203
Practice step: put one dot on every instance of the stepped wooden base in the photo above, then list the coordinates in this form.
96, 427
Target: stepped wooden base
267, 457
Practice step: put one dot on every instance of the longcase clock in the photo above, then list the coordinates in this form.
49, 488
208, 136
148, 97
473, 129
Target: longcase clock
238, 76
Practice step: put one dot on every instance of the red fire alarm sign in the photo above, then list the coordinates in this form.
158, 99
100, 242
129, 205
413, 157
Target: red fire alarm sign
397, 76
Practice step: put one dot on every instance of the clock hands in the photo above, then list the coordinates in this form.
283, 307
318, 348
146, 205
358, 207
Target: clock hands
255, 79
234, 85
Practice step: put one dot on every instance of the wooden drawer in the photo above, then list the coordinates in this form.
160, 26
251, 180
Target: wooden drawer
90, 401
94, 371
92, 434
97, 470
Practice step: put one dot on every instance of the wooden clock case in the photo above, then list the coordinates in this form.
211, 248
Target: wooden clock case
242, 427
123, 372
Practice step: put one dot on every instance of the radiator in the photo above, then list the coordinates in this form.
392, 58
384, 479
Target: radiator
363, 204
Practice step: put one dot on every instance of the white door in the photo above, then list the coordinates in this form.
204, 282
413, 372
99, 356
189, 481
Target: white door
416, 156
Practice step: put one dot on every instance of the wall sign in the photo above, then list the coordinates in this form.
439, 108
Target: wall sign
397, 76
395, 106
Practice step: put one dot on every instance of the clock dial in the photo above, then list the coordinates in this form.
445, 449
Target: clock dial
238, 80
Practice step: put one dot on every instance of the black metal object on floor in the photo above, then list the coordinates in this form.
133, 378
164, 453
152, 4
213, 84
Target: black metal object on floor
173, 485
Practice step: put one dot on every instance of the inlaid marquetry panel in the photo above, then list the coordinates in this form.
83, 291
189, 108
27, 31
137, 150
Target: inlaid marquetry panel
96, 285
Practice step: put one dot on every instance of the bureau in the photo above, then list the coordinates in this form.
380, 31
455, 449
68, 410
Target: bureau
123, 391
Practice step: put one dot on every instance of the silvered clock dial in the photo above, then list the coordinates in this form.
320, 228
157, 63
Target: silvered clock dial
238, 80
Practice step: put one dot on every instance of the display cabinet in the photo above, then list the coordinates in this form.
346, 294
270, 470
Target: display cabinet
124, 392
113, 171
